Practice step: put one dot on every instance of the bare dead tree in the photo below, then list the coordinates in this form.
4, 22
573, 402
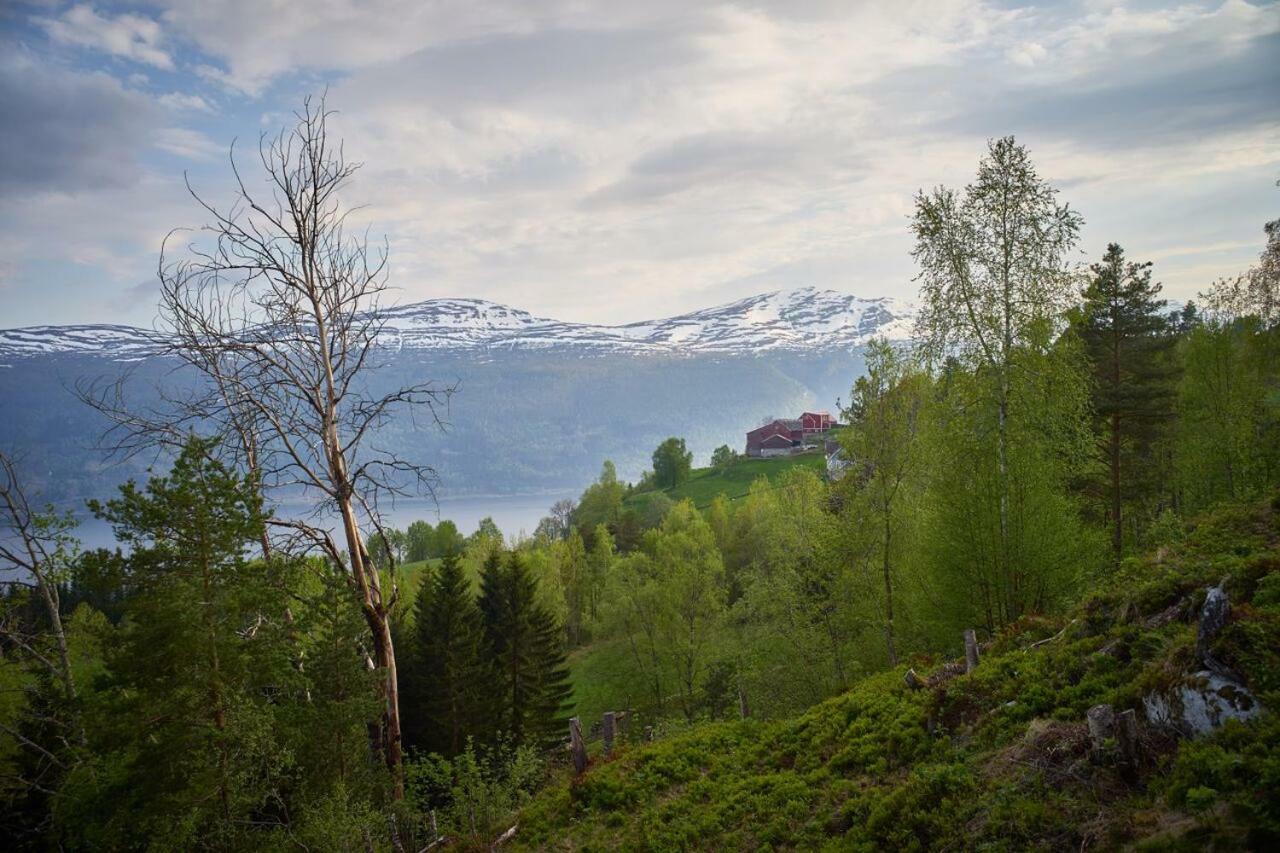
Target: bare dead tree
36, 546
276, 306
33, 547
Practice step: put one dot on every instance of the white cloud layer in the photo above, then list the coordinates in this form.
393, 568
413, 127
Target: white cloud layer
608, 161
127, 36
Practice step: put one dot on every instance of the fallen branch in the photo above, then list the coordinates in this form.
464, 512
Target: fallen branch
1050, 639
504, 837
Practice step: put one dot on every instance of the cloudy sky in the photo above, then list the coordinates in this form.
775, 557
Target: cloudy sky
612, 161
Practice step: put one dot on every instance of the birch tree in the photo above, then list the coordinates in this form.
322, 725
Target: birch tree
994, 280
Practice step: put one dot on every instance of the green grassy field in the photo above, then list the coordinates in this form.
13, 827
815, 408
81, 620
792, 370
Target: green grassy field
734, 482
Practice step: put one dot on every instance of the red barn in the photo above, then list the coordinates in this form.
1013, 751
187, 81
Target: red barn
775, 439
816, 422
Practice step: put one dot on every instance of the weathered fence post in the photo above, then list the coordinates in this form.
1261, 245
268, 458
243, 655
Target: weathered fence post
970, 650
1102, 727
744, 710
1127, 737
648, 734
609, 729
578, 747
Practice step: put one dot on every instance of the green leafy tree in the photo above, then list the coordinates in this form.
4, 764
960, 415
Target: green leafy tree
722, 457
570, 557
445, 688
601, 503
994, 284
885, 413
1127, 340
672, 462
599, 565
447, 539
671, 600
420, 539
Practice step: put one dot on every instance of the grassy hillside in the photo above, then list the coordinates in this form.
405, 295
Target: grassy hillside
999, 759
705, 483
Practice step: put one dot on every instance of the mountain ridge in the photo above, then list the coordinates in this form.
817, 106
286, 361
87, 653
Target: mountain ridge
801, 319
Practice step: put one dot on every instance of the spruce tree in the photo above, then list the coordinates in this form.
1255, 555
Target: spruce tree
444, 690
1128, 341
530, 681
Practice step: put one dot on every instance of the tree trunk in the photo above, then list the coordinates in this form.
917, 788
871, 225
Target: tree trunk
1117, 530
888, 594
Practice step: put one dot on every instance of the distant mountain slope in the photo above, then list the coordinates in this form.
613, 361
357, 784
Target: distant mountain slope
540, 402
805, 319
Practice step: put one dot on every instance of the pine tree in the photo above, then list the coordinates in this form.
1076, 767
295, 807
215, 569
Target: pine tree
201, 672
448, 675
530, 681
1127, 340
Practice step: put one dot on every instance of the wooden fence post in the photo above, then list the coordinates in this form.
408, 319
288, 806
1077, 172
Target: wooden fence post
970, 650
648, 734
609, 729
577, 745
1127, 737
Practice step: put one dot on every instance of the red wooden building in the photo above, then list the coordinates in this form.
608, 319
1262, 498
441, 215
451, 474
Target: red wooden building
816, 422
775, 439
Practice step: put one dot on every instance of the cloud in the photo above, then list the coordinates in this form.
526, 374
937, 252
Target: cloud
66, 131
590, 158
189, 144
127, 36
181, 101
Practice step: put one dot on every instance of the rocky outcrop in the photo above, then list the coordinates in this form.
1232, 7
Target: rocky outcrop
1202, 701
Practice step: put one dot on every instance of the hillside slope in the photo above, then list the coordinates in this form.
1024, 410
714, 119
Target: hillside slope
734, 482
1000, 758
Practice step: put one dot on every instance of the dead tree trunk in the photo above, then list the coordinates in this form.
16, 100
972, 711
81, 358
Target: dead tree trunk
282, 314
970, 650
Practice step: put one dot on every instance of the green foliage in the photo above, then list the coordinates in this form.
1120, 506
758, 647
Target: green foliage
475, 792
203, 727
524, 645
1129, 346
723, 456
443, 687
997, 759
672, 462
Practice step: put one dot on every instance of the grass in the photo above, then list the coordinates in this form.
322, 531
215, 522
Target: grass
704, 484
603, 680
999, 759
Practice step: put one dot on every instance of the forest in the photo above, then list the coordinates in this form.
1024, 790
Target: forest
227, 679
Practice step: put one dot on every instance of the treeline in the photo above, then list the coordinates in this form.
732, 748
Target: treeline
1048, 422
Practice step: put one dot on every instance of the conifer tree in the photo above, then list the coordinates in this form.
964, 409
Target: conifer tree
202, 672
530, 681
1128, 343
444, 689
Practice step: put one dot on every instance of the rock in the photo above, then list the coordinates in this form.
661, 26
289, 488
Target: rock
1102, 727
1201, 703
1213, 617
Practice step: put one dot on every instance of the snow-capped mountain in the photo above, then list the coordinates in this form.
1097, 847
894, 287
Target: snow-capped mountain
540, 402
805, 319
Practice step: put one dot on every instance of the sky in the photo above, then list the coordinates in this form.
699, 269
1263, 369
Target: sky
618, 161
